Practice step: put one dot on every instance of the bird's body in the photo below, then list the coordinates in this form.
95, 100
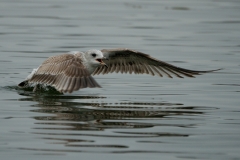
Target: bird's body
72, 71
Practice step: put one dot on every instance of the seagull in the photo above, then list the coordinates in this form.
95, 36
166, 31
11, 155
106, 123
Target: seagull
73, 70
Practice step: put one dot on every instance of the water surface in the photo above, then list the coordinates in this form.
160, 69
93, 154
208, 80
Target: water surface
132, 116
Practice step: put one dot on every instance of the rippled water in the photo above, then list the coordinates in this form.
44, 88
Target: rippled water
132, 116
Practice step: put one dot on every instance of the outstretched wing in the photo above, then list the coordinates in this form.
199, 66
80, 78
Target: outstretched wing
65, 72
130, 61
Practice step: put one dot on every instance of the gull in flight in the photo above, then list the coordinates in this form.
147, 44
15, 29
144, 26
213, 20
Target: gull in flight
72, 71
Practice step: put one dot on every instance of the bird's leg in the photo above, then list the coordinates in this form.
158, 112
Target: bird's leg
35, 88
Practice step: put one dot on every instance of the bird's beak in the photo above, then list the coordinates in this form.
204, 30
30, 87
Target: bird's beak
101, 61
104, 63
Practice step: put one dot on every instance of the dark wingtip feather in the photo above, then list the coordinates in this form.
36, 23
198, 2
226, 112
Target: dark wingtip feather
210, 70
215, 70
23, 84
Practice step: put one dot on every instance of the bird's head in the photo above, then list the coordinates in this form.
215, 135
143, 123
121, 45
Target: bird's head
95, 57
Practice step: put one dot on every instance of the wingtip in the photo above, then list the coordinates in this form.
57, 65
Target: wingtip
220, 69
23, 84
214, 70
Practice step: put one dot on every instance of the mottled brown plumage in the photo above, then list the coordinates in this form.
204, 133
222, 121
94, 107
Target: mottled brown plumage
65, 72
71, 72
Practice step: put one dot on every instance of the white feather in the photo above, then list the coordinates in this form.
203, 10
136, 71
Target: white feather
32, 73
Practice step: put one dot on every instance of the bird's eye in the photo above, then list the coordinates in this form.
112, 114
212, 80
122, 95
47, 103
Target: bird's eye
94, 54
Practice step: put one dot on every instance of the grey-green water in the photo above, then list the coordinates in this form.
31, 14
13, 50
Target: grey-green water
132, 116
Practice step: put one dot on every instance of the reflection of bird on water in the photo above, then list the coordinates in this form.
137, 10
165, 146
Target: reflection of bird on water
97, 113
72, 71
64, 109
107, 115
